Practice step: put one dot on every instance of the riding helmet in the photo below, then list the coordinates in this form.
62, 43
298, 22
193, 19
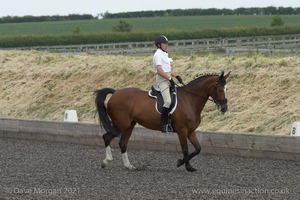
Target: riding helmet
161, 39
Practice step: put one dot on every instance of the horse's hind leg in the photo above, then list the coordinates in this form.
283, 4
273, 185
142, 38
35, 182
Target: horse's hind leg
107, 137
123, 146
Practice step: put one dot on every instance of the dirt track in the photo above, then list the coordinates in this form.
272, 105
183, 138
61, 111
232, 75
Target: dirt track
46, 170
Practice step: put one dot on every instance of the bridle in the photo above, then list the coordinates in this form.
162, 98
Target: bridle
216, 99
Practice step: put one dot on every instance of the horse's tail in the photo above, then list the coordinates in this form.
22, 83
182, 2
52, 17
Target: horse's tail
102, 111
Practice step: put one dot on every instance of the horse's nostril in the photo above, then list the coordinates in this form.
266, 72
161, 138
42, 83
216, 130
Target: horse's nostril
224, 110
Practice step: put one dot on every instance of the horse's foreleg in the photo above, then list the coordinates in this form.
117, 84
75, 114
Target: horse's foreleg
107, 139
123, 146
185, 151
194, 140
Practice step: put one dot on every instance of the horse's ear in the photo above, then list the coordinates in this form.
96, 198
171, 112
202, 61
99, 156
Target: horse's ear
221, 77
226, 76
222, 74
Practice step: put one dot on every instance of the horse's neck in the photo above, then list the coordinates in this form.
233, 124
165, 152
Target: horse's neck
200, 87
197, 93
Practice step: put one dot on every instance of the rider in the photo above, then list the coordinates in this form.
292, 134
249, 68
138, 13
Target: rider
164, 74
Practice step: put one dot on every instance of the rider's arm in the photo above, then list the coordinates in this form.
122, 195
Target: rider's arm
173, 74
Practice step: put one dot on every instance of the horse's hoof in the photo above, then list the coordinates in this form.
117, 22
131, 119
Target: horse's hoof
191, 169
104, 164
179, 162
130, 167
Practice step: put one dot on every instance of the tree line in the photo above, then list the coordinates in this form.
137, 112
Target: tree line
271, 10
29, 18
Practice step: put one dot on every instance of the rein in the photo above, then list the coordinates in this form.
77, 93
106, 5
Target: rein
197, 95
216, 100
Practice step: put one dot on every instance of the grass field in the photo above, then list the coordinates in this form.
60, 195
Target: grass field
143, 24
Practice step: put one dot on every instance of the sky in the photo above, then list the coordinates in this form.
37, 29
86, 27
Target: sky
95, 7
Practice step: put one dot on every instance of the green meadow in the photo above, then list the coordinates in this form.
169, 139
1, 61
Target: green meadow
144, 24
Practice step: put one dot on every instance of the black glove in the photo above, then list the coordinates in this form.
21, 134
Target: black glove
179, 79
172, 82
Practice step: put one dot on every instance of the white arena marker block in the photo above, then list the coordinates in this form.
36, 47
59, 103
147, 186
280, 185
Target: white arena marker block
70, 116
295, 131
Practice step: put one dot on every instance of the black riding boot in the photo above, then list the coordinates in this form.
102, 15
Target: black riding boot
165, 119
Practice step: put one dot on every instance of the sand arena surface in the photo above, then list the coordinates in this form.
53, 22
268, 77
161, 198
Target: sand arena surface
49, 170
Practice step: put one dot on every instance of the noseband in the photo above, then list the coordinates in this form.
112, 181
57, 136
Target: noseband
216, 99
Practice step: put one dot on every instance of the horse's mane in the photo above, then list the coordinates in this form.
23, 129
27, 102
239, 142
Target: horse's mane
200, 76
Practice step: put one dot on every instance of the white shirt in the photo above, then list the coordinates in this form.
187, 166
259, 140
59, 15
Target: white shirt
162, 58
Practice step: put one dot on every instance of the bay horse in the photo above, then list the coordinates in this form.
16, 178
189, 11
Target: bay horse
129, 106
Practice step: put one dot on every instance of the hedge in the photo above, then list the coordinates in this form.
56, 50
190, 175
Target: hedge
117, 37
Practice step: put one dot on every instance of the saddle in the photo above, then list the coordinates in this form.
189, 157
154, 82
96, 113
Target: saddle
155, 93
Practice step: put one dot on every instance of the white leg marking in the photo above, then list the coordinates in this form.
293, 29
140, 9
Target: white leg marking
108, 157
108, 154
126, 161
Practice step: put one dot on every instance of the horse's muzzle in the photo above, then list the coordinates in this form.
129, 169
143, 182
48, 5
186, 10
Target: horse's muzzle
223, 108
222, 105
